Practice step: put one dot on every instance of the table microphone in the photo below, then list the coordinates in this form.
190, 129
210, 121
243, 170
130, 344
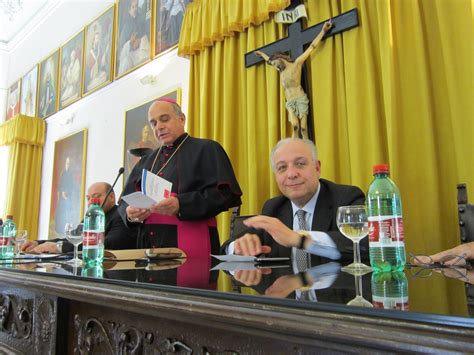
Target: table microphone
120, 172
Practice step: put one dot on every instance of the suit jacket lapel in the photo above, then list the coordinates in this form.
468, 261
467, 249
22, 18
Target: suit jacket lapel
323, 212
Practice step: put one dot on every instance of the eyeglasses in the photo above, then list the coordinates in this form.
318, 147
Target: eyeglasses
453, 266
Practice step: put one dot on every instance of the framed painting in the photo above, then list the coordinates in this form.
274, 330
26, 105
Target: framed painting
67, 189
13, 100
138, 133
29, 92
169, 16
48, 86
71, 70
133, 35
98, 53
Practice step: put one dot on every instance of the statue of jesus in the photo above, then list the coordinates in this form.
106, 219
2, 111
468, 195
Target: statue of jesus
297, 102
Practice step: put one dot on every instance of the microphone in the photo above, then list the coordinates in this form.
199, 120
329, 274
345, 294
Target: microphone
120, 172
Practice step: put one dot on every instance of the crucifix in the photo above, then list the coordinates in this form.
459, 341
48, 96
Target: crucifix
293, 74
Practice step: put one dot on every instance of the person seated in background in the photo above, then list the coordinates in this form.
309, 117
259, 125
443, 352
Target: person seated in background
117, 235
308, 203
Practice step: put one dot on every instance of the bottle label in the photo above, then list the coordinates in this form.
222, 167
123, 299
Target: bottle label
92, 239
386, 229
398, 303
4, 241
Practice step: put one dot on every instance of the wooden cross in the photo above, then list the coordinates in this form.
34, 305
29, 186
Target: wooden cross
296, 41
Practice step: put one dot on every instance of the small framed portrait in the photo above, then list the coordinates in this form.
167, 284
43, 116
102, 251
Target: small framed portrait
138, 134
67, 190
133, 35
48, 86
169, 16
71, 70
29, 92
13, 100
98, 53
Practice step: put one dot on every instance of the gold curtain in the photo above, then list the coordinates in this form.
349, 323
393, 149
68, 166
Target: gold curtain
25, 137
396, 89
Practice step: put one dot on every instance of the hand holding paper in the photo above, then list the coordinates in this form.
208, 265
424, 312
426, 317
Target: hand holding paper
154, 190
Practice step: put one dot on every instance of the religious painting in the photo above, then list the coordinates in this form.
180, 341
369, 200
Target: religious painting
13, 100
98, 54
133, 35
29, 92
67, 189
48, 86
169, 16
71, 70
138, 133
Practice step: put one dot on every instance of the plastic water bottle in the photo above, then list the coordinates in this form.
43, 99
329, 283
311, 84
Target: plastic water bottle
390, 290
94, 226
93, 270
2, 241
7, 249
384, 210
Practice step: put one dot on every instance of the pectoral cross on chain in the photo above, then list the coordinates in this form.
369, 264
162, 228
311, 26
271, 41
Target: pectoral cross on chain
294, 44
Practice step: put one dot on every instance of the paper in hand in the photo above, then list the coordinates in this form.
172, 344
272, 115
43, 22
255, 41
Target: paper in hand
154, 190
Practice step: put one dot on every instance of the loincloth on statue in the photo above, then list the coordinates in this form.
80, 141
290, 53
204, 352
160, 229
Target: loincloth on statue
299, 106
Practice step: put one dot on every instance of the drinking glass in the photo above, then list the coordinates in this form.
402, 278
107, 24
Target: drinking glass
19, 239
359, 300
353, 224
74, 235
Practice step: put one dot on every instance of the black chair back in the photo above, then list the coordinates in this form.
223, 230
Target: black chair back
465, 215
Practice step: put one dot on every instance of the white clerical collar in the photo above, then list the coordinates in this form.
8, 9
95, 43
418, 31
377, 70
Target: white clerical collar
310, 205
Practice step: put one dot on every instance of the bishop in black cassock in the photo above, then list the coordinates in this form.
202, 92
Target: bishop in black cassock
204, 185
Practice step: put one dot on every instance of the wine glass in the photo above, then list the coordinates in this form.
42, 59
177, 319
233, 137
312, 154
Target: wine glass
74, 235
19, 239
359, 300
352, 222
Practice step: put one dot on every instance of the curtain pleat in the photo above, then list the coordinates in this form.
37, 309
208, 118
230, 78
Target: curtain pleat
25, 137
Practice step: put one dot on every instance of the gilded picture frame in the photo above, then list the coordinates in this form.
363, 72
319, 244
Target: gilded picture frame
72, 60
67, 186
13, 100
99, 45
133, 35
138, 133
48, 86
169, 15
29, 92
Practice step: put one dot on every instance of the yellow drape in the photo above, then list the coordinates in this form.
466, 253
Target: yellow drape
396, 89
25, 137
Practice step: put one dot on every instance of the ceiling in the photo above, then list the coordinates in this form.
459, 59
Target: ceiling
14, 27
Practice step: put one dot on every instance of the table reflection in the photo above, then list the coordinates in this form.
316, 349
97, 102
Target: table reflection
435, 292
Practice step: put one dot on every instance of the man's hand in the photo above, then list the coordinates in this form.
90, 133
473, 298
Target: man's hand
251, 277
29, 245
273, 226
137, 214
48, 247
327, 26
283, 286
250, 245
465, 250
169, 207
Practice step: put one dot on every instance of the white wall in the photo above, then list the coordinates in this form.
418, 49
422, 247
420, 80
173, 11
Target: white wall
103, 112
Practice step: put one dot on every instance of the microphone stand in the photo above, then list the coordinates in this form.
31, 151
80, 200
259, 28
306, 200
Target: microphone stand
120, 172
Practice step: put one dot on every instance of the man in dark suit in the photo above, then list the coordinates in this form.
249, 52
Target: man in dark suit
117, 235
277, 232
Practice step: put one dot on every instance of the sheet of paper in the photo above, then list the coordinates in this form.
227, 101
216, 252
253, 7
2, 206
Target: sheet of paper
155, 187
235, 258
139, 200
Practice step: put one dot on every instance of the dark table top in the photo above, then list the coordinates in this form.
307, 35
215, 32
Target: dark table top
420, 294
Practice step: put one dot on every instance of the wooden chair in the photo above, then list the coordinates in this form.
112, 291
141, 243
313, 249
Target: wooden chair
465, 215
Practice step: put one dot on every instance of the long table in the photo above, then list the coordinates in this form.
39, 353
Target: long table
128, 308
